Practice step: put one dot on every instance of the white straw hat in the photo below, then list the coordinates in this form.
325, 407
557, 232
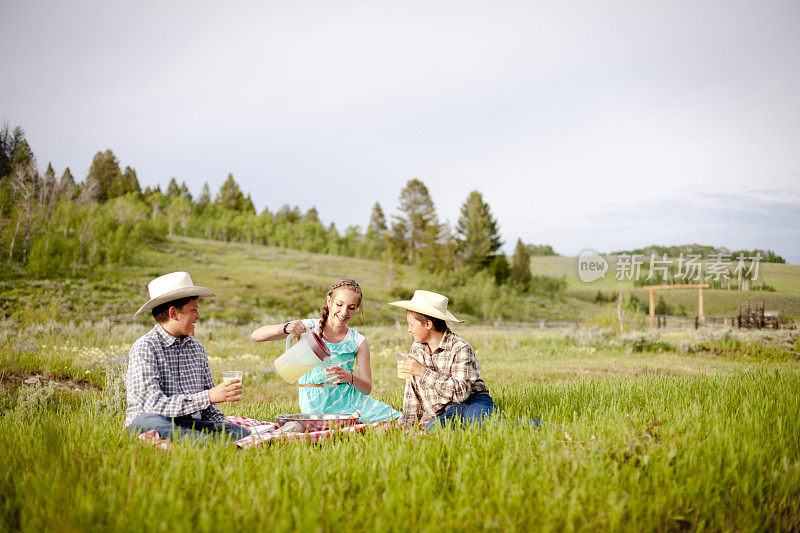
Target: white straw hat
428, 303
170, 287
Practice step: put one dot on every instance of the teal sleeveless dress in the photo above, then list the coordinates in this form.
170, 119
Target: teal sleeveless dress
341, 399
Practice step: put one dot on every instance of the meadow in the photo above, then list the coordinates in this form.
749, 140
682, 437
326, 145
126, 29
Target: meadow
783, 278
665, 430
637, 439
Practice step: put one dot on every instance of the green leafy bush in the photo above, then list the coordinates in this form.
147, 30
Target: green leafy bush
32, 400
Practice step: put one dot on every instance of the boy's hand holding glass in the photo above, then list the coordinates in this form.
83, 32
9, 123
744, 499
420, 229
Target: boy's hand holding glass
408, 366
230, 390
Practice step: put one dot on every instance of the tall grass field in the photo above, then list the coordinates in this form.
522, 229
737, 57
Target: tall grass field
672, 430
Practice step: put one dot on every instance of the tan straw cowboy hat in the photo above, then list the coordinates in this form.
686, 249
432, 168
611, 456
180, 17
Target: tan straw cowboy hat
170, 287
428, 303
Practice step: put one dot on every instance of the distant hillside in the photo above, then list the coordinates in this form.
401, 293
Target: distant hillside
783, 280
251, 281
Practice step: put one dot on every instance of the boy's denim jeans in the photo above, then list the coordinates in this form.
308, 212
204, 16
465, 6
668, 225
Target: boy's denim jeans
186, 427
474, 410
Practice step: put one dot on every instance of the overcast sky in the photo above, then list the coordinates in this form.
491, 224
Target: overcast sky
604, 124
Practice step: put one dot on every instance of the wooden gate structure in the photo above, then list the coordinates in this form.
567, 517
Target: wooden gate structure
653, 288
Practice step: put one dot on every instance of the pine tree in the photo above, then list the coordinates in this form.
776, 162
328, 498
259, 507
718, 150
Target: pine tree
50, 174
499, 268
478, 237
131, 181
105, 173
172, 188
50, 184
312, 216
9, 142
521, 266
184, 192
288, 215
23, 156
230, 196
205, 196
49, 190
67, 186
248, 206
377, 221
417, 226
377, 233
117, 188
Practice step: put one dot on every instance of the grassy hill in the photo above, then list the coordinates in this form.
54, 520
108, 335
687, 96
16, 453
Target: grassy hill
252, 283
784, 278
262, 283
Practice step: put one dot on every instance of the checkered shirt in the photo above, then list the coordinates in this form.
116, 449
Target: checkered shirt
452, 374
170, 377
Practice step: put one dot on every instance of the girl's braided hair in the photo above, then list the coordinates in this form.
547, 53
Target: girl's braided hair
325, 311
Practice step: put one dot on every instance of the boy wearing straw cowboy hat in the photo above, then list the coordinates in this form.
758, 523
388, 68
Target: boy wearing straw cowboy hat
169, 382
445, 381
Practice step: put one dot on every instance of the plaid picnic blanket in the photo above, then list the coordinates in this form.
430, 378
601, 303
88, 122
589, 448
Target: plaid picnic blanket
262, 433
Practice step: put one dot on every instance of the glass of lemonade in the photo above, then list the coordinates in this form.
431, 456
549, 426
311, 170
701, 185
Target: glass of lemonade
232, 375
402, 356
328, 380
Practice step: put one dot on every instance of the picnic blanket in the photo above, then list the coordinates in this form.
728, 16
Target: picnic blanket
262, 432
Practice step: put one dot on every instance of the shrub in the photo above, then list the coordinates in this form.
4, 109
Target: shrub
31, 400
547, 285
687, 346
591, 336
113, 398
645, 341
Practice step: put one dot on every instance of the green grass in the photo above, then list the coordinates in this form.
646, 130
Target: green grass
707, 452
638, 441
253, 283
717, 302
668, 430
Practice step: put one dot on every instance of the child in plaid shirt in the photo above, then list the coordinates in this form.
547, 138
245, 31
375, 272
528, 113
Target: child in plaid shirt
445, 381
169, 383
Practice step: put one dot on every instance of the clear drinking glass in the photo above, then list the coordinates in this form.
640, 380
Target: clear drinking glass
402, 356
328, 380
227, 377
232, 375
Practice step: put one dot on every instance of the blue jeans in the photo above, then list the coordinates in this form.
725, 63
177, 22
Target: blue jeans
186, 427
473, 411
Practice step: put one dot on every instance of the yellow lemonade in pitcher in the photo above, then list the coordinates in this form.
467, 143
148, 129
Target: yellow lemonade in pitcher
291, 372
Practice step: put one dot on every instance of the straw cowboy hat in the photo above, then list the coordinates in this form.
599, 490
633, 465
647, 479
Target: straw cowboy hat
172, 286
428, 303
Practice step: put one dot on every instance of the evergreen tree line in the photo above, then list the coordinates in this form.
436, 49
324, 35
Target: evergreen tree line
52, 225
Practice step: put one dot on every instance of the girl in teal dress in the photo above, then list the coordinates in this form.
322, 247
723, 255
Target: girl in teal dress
348, 349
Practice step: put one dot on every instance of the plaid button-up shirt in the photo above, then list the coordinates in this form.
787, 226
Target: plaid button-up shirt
452, 374
170, 377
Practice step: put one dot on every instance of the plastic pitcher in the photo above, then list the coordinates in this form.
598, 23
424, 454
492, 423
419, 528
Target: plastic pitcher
309, 352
